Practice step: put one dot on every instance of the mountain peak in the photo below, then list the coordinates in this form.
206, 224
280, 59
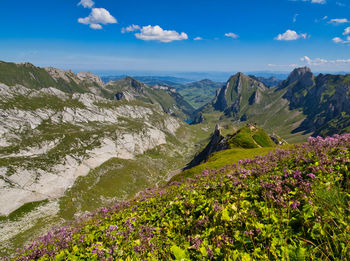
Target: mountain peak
299, 73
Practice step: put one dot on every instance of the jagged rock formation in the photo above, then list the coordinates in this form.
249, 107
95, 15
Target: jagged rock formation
240, 91
215, 144
247, 137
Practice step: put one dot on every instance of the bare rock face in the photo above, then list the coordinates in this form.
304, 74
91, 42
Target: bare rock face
90, 77
60, 74
46, 146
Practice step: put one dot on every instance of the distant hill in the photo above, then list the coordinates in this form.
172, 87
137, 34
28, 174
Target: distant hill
199, 93
151, 80
171, 102
269, 82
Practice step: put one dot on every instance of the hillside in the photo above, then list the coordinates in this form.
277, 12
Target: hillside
70, 150
248, 137
290, 205
300, 106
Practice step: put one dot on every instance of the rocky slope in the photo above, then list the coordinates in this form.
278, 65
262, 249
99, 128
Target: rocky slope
49, 138
169, 100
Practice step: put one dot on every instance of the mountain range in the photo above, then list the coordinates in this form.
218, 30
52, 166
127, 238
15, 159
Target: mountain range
71, 143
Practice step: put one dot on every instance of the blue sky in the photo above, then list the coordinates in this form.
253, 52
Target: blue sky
181, 35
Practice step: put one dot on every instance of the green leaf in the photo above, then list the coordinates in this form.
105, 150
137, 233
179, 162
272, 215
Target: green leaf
60, 256
180, 254
225, 215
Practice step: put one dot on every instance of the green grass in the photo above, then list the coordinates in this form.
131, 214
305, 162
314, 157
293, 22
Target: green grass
227, 157
43, 102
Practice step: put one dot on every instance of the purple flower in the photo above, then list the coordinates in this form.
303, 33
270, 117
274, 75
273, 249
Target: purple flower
311, 175
295, 204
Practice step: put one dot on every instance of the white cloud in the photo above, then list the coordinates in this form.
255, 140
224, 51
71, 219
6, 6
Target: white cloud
318, 1
96, 26
290, 35
346, 31
339, 21
283, 65
340, 4
156, 33
339, 40
131, 28
232, 35
198, 38
312, 1
295, 18
97, 17
320, 61
305, 59
86, 3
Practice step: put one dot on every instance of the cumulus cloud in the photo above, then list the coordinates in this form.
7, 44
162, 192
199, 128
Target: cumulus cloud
198, 38
232, 35
346, 31
290, 35
339, 40
96, 26
339, 21
131, 28
320, 61
156, 33
97, 17
86, 3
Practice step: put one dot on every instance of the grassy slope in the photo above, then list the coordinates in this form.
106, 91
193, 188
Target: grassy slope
269, 208
34, 77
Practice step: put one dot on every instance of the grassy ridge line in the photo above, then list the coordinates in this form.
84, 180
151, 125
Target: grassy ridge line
287, 205
227, 157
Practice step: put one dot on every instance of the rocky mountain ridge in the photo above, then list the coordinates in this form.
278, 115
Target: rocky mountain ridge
303, 103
